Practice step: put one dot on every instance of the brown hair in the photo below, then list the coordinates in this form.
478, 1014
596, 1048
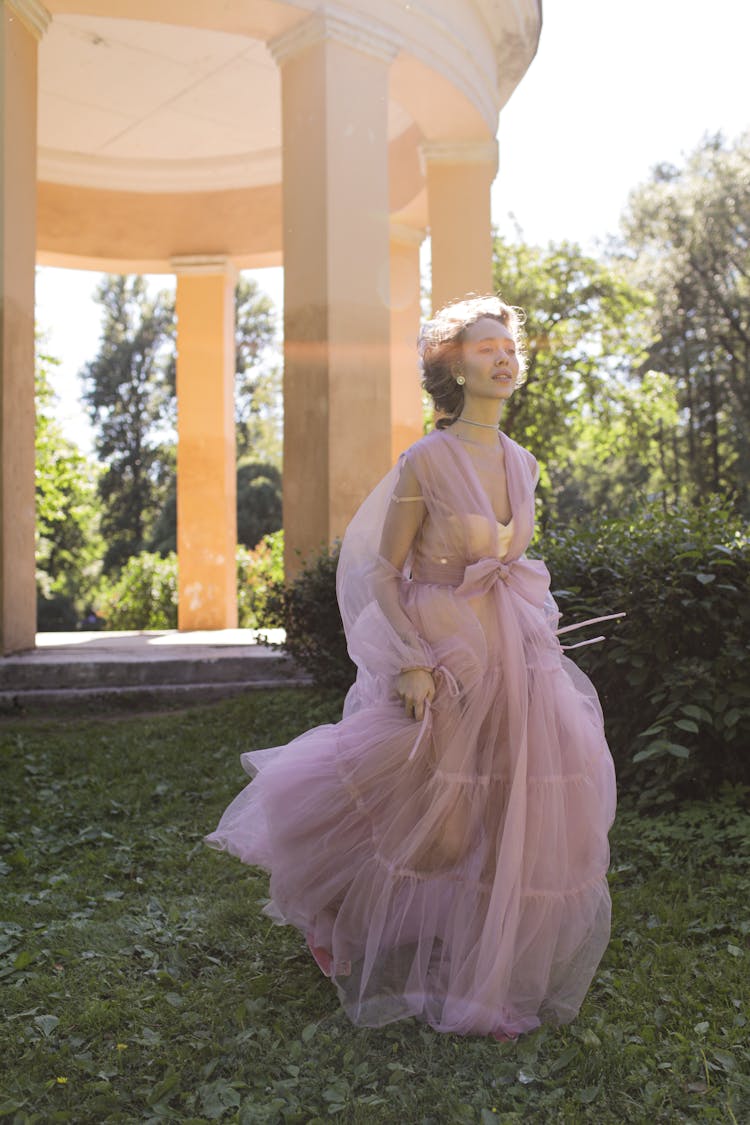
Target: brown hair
439, 347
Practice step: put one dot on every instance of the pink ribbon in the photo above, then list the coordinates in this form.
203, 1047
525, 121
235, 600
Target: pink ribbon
529, 578
453, 689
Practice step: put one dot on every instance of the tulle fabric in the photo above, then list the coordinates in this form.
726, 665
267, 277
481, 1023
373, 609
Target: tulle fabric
455, 869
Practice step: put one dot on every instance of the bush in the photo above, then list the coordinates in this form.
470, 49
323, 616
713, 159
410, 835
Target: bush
674, 676
143, 596
314, 630
55, 612
260, 582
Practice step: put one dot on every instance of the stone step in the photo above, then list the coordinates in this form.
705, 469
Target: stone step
152, 664
137, 695
46, 672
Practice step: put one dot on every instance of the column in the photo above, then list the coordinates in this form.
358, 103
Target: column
22, 24
459, 176
206, 447
406, 393
337, 411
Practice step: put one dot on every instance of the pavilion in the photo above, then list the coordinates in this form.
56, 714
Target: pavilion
200, 137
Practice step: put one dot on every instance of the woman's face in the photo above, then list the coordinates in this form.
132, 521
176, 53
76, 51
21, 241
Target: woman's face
489, 361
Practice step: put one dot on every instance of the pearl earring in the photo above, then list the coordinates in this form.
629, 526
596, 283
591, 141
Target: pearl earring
460, 380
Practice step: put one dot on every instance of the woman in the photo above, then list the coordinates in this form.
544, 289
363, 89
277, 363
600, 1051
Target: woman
444, 847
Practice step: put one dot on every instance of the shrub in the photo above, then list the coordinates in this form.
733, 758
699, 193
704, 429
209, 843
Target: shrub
143, 596
674, 675
260, 581
314, 631
55, 612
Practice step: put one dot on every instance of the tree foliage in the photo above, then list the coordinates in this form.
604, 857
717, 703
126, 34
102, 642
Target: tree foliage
258, 508
130, 392
584, 323
68, 542
258, 394
687, 234
128, 389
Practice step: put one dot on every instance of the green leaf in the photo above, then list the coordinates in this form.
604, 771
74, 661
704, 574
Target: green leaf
217, 1097
688, 725
653, 750
564, 1059
169, 1083
705, 579
309, 1032
696, 712
46, 1024
727, 1060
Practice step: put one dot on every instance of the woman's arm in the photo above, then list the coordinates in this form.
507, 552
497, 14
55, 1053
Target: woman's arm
405, 517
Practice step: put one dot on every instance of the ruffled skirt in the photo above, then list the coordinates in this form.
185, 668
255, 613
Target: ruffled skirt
464, 883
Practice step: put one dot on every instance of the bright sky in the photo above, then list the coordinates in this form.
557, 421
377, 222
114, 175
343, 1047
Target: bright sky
617, 86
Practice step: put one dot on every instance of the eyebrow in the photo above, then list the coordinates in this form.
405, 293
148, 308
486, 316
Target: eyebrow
493, 339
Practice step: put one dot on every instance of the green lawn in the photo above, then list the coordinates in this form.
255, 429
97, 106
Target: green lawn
142, 984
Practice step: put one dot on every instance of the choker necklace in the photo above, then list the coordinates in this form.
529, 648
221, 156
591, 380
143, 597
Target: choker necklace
483, 425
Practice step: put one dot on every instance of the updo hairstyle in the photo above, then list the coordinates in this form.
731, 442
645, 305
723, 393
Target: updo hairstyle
440, 353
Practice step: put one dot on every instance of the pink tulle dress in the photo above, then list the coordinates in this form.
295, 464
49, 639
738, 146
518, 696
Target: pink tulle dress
452, 869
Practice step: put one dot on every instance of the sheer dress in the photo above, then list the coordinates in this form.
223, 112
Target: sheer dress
452, 869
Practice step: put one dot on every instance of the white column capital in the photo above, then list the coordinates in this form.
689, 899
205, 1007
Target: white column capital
203, 265
32, 15
460, 152
405, 235
347, 27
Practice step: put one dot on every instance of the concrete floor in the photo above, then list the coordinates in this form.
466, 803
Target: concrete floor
132, 665
151, 645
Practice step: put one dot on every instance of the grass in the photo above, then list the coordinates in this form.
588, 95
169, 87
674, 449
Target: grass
142, 984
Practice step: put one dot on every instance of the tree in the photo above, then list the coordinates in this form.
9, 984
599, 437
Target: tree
68, 543
624, 453
258, 508
258, 502
686, 234
129, 391
258, 394
131, 394
584, 325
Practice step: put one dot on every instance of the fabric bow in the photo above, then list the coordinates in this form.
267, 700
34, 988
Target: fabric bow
529, 578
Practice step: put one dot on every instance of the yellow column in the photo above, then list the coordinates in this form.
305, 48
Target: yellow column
337, 413
22, 23
406, 395
459, 177
206, 453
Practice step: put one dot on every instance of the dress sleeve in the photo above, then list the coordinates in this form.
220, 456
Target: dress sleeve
381, 638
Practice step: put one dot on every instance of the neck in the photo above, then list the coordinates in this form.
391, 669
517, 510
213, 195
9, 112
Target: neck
480, 420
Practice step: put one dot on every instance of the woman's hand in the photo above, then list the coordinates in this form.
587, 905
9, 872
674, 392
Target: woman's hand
415, 687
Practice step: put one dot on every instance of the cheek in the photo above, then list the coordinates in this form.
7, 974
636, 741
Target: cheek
472, 367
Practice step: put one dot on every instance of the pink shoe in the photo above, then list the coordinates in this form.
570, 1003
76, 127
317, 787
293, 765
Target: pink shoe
322, 957
504, 1036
